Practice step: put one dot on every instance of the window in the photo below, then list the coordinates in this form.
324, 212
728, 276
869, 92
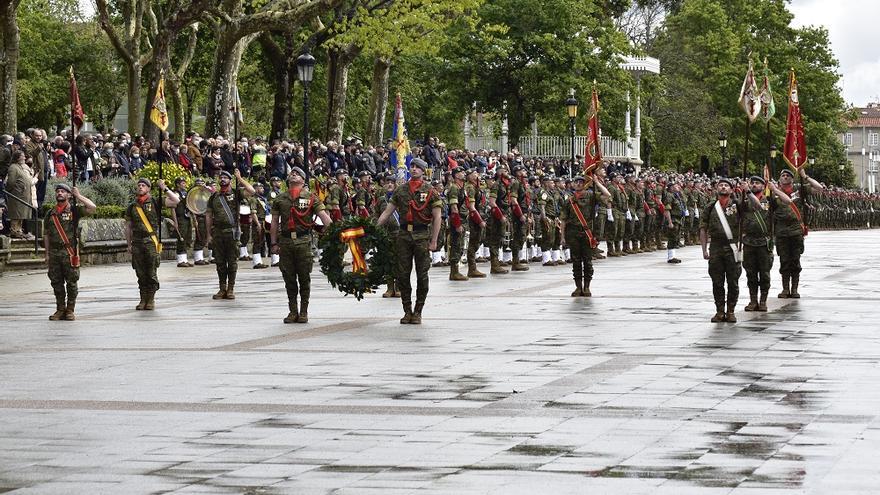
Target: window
848, 139
873, 139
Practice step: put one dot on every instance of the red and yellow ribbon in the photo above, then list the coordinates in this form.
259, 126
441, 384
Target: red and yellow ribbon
351, 236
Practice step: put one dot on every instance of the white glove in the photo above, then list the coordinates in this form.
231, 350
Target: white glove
610, 214
696, 213
687, 213
629, 215
636, 218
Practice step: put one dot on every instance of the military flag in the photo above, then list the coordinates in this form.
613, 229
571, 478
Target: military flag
77, 117
159, 112
749, 98
593, 150
768, 107
794, 152
400, 153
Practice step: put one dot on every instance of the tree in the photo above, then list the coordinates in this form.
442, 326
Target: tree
127, 41
9, 53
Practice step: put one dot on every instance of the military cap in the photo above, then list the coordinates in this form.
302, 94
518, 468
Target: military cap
459, 169
179, 180
758, 178
200, 181
363, 173
341, 171
786, 171
724, 179
225, 174
145, 181
275, 178
298, 171
418, 162
436, 182
64, 186
579, 178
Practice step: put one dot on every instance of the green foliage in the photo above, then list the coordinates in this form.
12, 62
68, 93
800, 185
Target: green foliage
379, 265
170, 172
54, 37
109, 211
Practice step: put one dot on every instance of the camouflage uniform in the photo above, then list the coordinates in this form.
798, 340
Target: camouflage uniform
62, 274
723, 265
225, 238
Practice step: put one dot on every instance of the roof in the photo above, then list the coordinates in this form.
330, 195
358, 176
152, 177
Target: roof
866, 117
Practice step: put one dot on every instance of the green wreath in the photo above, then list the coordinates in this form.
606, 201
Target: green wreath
374, 241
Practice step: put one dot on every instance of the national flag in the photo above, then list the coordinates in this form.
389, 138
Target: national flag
749, 98
768, 107
400, 153
794, 152
76, 110
159, 112
236, 110
593, 151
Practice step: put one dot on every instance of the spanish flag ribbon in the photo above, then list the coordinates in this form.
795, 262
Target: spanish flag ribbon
351, 236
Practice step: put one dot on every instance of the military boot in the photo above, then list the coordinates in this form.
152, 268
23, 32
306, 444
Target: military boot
473, 272
454, 274
795, 280
294, 310
762, 304
141, 304
720, 316
753, 299
578, 288
150, 301
417, 314
221, 294
621, 249
303, 312
68, 311
389, 292
731, 318
496, 267
785, 288
586, 289
59, 309
230, 292
407, 313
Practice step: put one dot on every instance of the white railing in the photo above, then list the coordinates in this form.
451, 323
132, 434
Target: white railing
557, 146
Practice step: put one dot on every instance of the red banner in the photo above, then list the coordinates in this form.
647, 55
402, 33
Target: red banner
76, 110
593, 151
794, 152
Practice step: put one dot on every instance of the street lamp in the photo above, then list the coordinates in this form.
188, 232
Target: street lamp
722, 143
571, 104
305, 68
773, 153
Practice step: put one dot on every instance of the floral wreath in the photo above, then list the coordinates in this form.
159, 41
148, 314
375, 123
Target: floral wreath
362, 237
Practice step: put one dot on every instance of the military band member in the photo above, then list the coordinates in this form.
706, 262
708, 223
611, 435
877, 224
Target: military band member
223, 230
62, 251
183, 223
263, 211
577, 231
719, 234
274, 191
201, 234
419, 208
142, 235
293, 220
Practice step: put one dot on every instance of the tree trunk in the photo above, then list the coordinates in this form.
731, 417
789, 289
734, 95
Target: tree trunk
9, 52
227, 58
378, 101
189, 108
177, 108
281, 113
339, 83
133, 97
159, 61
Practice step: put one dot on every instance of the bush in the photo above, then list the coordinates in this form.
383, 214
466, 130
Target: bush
112, 191
109, 211
170, 171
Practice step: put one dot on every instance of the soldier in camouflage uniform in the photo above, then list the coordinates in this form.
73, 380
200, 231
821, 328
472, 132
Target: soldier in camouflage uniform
619, 207
499, 205
757, 240
61, 249
475, 198
249, 226
675, 213
223, 230
142, 236
577, 222
549, 205
456, 198
520, 204
389, 183
183, 222
365, 198
201, 234
721, 250
635, 217
420, 211
293, 218
790, 230
340, 199
654, 216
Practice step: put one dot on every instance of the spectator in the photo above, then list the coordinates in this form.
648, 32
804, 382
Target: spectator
21, 182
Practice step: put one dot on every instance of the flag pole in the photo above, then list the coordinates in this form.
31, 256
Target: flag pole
73, 170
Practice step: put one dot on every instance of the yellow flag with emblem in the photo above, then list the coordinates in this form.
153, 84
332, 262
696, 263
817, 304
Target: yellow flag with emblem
159, 112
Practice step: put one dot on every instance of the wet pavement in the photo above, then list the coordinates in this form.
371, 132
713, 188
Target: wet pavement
510, 386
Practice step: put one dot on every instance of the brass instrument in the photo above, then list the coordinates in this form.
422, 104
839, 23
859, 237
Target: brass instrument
197, 199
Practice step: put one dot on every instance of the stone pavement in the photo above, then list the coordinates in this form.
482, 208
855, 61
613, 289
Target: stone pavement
509, 386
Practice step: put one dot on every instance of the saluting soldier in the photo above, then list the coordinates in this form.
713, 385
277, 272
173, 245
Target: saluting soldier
577, 231
223, 230
142, 234
475, 198
293, 220
790, 229
719, 234
757, 240
420, 207
62, 251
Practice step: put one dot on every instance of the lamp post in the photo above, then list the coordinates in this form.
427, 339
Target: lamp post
305, 68
571, 104
773, 152
722, 143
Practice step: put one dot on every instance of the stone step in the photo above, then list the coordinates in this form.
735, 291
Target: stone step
26, 264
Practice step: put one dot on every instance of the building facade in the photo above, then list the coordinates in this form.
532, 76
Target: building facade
862, 142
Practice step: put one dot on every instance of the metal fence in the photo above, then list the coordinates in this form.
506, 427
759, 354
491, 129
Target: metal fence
554, 146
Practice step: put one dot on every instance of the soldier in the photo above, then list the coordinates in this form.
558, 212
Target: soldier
339, 199
273, 193
474, 198
549, 205
437, 254
790, 229
263, 211
422, 211
183, 222
223, 230
293, 218
456, 198
62, 251
499, 205
757, 241
248, 225
577, 220
389, 184
364, 196
620, 212
719, 232
653, 215
675, 213
142, 236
